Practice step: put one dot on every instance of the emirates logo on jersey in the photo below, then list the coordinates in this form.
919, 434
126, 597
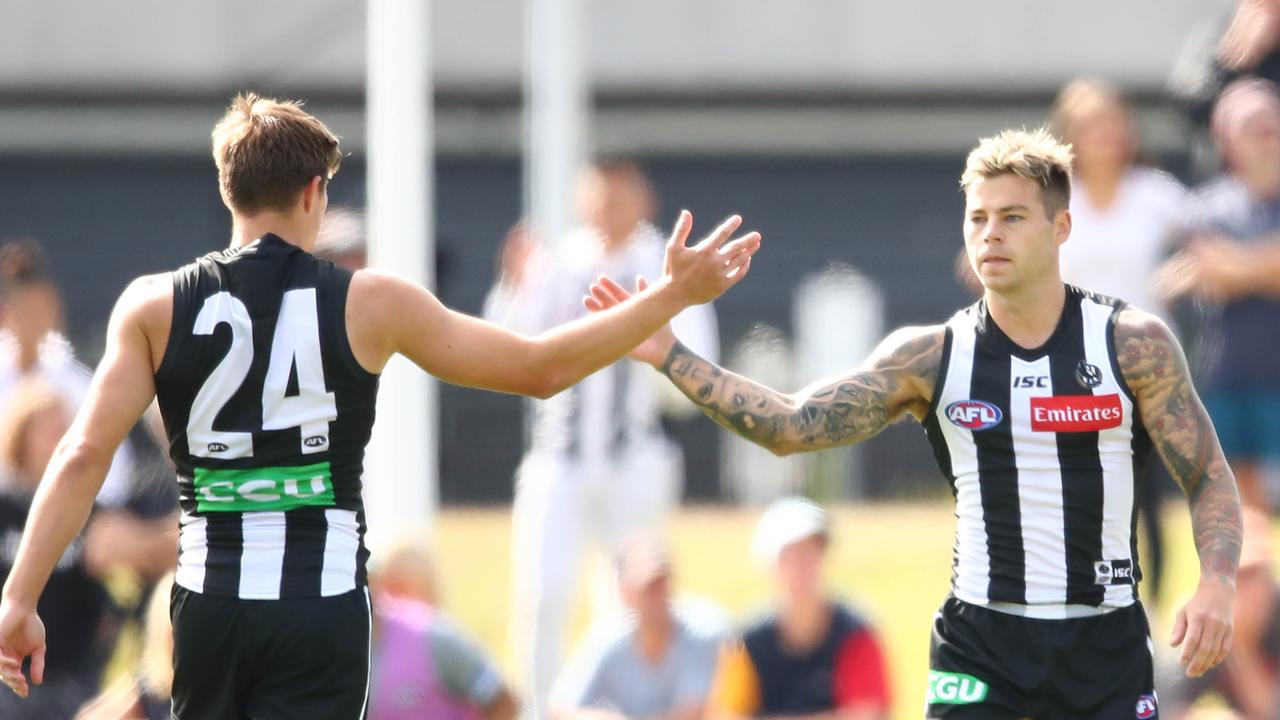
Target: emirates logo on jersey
1076, 413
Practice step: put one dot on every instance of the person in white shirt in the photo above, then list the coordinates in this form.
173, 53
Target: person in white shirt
598, 466
32, 343
1125, 220
1125, 216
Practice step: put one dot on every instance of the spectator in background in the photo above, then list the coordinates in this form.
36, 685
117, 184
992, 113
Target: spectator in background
1249, 679
1124, 219
598, 467
654, 664
32, 343
811, 657
145, 693
423, 665
1232, 260
76, 606
1249, 46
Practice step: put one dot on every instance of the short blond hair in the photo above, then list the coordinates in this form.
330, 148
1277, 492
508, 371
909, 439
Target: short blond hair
1032, 154
268, 150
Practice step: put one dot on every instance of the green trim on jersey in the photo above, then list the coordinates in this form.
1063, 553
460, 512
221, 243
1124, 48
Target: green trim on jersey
261, 489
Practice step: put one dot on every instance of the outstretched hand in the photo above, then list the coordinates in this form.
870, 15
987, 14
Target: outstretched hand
21, 636
702, 272
606, 293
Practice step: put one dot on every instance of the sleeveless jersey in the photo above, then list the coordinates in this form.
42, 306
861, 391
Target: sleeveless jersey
1042, 449
267, 413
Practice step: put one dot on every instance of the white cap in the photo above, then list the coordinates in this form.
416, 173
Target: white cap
787, 520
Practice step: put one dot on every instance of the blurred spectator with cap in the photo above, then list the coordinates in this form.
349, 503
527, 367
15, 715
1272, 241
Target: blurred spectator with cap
424, 665
1125, 218
1231, 263
654, 663
812, 656
1249, 680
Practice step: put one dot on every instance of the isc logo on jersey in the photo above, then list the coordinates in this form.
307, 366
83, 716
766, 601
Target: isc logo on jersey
974, 414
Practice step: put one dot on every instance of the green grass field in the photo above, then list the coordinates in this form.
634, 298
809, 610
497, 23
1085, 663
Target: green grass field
893, 560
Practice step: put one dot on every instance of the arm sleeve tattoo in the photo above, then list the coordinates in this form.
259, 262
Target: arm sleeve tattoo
1156, 371
843, 410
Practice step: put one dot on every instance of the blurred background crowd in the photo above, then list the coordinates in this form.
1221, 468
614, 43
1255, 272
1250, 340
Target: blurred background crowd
838, 129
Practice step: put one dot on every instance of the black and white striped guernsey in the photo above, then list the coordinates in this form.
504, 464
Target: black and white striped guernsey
267, 413
1042, 449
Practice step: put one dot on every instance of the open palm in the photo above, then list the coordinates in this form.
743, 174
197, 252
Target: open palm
606, 293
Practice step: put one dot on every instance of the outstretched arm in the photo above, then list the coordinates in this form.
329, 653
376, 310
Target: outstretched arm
897, 379
393, 315
1156, 371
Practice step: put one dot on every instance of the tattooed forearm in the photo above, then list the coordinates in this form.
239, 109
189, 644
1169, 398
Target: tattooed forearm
1183, 435
845, 410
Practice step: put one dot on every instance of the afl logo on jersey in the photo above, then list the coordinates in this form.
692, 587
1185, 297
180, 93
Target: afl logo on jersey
217, 447
315, 441
974, 415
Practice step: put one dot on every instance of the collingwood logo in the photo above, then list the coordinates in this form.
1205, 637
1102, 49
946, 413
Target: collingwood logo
1088, 374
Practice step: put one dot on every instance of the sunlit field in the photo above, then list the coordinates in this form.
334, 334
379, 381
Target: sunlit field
892, 560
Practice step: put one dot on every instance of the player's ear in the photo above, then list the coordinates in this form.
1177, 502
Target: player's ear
313, 194
1062, 225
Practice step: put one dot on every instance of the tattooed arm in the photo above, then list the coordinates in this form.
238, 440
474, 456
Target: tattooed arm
897, 379
1156, 371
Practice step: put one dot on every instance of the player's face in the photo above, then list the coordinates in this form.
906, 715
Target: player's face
1011, 239
800, 569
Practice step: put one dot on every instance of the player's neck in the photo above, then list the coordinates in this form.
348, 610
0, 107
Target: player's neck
245, 230
1030, 316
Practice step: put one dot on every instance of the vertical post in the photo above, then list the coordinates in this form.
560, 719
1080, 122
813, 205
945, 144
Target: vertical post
401, 467
556, 113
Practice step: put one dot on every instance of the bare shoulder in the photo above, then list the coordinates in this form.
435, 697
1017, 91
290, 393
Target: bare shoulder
911, 346
148, 294
1147, 351
916, 349
914, 355
145, 312
382, 308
